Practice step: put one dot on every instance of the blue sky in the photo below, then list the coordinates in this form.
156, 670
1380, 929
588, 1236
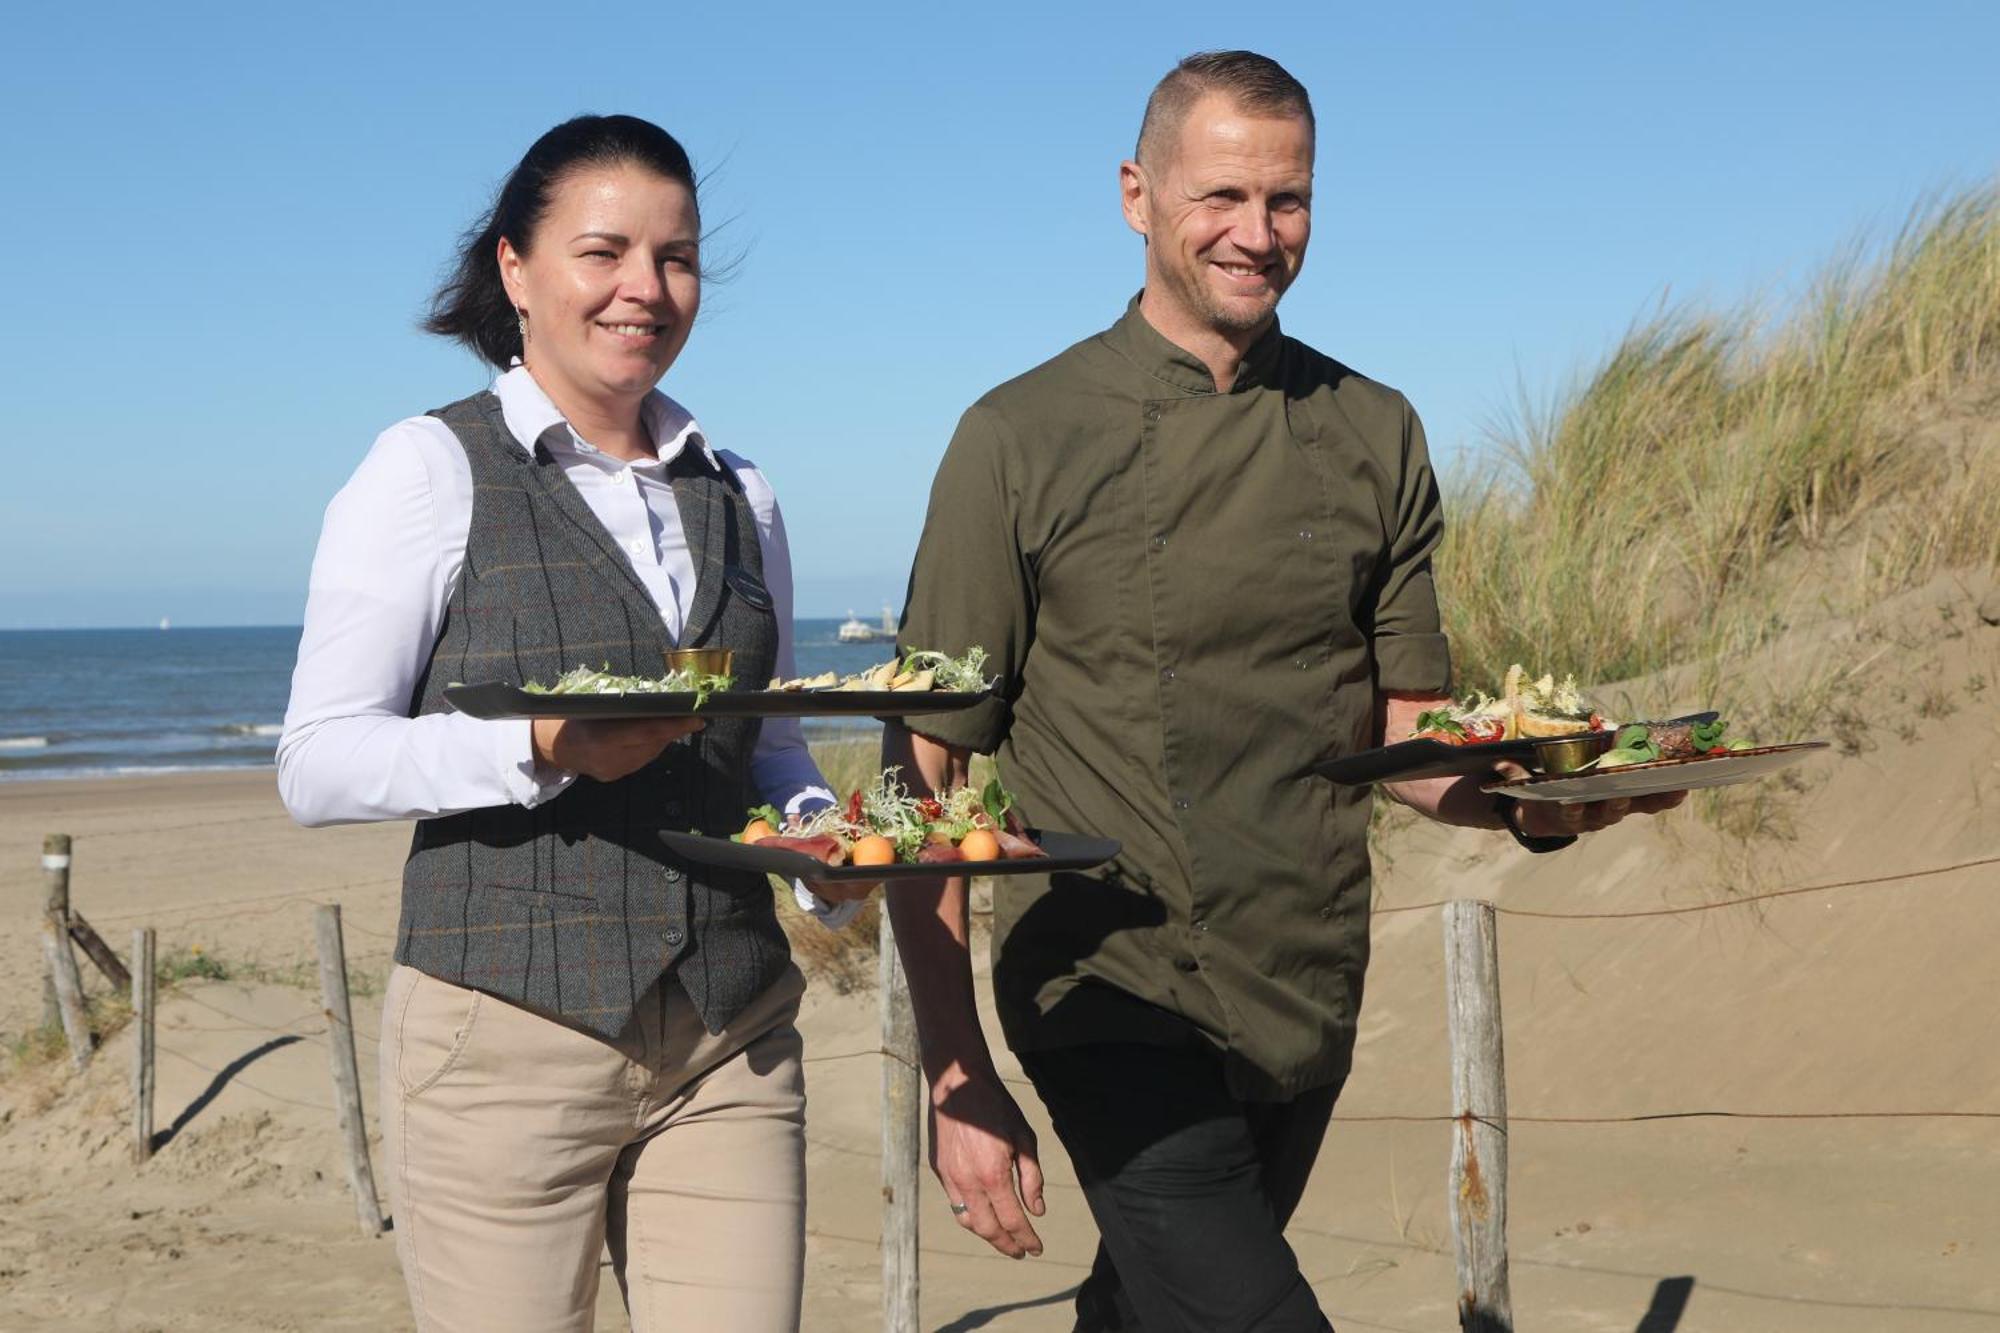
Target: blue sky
222, 222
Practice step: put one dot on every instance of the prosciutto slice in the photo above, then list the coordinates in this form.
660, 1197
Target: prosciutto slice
1014, 847
822, 848
936, 853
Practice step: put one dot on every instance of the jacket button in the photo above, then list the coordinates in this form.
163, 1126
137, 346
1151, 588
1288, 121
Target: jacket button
1182, 803
674, 876
1152, 414
1187, 964
1305, 534
674, 937
1326, 914
1201, 925
1167, 674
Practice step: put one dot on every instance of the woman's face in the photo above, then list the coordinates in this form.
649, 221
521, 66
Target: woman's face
610, 283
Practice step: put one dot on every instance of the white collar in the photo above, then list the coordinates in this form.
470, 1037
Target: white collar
528, 412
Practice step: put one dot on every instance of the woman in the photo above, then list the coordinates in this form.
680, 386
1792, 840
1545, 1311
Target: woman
585, 1041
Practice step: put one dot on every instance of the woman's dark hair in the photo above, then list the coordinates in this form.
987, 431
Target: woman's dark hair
472, 306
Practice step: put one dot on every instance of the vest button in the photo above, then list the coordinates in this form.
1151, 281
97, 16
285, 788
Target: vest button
674, 876
674, 937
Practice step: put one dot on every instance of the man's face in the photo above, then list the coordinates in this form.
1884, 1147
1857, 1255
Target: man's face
1226, 215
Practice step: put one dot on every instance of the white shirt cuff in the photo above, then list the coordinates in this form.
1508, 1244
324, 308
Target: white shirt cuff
528, 783
834, 916
797, 805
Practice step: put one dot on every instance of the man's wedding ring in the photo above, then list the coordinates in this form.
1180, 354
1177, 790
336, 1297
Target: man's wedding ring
960, 1209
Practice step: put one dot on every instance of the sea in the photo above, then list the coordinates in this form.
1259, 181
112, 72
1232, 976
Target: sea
120, 702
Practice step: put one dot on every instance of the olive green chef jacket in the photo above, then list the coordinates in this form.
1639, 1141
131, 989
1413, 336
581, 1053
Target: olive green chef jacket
1190, 597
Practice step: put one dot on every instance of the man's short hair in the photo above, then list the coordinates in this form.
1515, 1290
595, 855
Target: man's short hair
1254, 83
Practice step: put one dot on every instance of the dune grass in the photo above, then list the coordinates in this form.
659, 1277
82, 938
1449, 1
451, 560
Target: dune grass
1723, 477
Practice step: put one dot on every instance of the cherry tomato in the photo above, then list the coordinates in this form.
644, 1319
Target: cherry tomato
930, 809
854, 808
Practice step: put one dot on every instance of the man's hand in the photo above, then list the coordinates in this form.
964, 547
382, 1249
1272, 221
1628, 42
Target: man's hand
607, 750
1553, 819
983, 1153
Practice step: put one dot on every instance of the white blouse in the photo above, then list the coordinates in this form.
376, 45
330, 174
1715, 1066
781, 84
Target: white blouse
390, 554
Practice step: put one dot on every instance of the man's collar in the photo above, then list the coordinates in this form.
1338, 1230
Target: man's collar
1135, 338
528, 413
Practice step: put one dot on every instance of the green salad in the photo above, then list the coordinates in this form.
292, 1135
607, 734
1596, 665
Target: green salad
593, 680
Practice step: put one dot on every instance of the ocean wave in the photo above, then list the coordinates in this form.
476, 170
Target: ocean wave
252, 729
24, 742
94, 771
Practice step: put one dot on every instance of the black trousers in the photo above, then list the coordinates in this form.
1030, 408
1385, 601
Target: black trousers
1191, 1189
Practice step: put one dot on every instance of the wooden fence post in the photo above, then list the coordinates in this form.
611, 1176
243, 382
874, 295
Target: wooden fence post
95, 949
142, 1048
1479, 1106
340, 1053
55, 882
65, 982
902, 1140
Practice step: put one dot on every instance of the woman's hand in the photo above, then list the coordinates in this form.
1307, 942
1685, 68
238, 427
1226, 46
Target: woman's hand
835, 890
607, 751
843, 890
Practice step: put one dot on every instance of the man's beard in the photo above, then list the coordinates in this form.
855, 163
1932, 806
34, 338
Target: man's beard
1215, 313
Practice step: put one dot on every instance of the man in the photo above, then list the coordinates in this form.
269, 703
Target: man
1199, 554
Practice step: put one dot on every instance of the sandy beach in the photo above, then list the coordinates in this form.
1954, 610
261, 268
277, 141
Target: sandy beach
1850, 1185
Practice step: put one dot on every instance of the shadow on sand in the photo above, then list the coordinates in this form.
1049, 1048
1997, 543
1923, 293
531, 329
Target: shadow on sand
1670, 1302
972, 1319
216, 1085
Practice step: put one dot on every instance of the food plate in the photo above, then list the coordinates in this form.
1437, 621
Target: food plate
1408, 760
1425, 758
1662, 775
496, 701
1066, 851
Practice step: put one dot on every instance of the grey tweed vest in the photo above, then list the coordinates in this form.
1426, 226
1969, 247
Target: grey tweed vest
575, 907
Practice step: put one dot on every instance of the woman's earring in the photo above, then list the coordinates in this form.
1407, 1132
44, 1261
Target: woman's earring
521, 319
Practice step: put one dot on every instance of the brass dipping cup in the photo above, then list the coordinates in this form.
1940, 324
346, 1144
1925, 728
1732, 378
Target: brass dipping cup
707, 661
1566, 754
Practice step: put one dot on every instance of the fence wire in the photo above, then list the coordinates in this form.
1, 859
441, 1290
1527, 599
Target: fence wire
1743, 901
271, 903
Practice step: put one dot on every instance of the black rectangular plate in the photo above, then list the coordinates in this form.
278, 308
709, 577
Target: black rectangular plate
1066, 851
1408, 760
496, 701
1423, 758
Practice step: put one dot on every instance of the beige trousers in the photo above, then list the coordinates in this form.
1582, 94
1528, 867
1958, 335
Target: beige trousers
518, 1148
